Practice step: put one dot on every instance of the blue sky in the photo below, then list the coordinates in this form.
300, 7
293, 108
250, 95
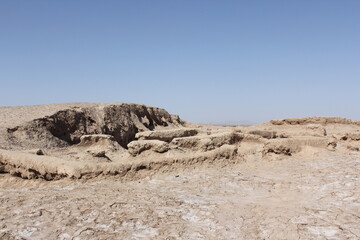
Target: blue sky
208, 61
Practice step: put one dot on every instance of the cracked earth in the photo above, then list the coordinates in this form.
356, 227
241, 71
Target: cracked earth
295, 198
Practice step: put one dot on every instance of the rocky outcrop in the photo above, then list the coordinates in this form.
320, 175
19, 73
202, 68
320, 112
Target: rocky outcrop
88, 140
97, 139
208, 142
353, 148
66, 127
314, 120
137, 147
294, 145
166, 135
264, 134
351, 137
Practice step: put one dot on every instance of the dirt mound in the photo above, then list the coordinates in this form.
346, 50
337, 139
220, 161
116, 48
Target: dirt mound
294, 145
65, 127
102, 139
314, 120
90, 140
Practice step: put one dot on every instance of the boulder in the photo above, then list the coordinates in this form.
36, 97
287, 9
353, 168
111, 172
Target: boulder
208, 142
264, 134
166, 135
316, 130
137, 147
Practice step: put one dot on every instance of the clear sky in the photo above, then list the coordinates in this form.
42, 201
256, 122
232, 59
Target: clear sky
208, 61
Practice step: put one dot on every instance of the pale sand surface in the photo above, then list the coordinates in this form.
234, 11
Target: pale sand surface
297, 198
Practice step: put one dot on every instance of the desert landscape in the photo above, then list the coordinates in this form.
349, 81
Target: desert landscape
179, 120
131, 171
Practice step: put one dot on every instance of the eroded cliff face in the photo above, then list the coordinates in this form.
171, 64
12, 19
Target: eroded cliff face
65, 127
90, 140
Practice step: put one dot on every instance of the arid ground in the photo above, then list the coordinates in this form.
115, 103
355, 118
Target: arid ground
129, 171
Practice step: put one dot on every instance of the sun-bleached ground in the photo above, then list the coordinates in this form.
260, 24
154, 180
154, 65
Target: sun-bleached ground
130, 171
295, 198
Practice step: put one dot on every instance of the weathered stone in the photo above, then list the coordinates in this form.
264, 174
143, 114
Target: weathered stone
166, 135
137, 147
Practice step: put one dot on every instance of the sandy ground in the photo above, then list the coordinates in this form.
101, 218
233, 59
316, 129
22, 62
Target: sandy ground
129, 171
295, 198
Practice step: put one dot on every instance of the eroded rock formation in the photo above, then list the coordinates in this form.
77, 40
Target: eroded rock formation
89, 140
